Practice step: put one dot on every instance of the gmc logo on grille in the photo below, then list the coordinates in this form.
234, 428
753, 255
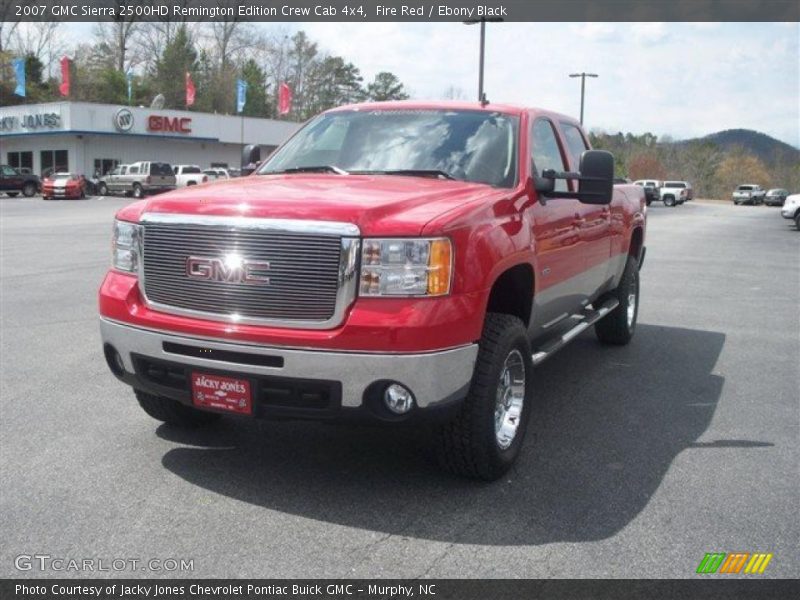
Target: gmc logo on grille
230, 269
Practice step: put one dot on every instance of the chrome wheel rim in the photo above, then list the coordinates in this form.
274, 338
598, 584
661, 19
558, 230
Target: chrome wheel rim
509, 400
631, 313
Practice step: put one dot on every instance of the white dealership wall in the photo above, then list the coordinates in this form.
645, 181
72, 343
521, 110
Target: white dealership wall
92, 131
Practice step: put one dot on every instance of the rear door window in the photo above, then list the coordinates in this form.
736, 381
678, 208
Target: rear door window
576, 144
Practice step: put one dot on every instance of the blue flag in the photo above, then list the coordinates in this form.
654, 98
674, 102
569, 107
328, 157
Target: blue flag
241, 94
129, 77
19, 71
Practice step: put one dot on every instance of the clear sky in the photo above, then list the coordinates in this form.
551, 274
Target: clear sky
678, 79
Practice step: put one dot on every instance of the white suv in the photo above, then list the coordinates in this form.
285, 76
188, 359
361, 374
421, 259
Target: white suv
791, 209
189, 175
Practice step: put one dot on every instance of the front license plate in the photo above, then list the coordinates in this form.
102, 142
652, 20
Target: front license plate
222, 393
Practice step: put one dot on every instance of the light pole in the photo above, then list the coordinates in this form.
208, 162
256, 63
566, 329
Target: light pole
583, 77
482, 21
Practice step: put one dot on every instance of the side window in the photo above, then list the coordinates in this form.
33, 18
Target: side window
133, 171
576, 145
545, 151
123, 170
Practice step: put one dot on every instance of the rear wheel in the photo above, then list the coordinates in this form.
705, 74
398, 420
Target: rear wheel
797, 221
669, 200
618, 326
29, 189
486, 436
12, 194
173, 412
137, 191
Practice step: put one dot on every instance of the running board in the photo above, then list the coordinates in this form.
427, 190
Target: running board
588, 318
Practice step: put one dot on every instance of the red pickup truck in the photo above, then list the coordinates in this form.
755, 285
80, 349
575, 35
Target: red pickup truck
393, 262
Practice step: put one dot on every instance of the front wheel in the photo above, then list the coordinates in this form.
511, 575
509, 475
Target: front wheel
173, 412
102, 189
669, 200
618, 326
486, 436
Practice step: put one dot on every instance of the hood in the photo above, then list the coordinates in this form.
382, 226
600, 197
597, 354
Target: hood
379, 205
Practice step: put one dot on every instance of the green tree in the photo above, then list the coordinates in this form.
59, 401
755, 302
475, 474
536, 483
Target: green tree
386, 86
256, 105
179, 57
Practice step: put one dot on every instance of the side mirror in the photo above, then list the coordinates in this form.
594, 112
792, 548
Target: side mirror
251, 155
596, 183
595, 179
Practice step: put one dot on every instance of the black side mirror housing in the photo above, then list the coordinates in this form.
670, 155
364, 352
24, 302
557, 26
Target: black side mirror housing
251, 156
596, 183
595, 179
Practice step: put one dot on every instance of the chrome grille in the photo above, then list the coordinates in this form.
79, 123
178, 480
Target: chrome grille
311, 269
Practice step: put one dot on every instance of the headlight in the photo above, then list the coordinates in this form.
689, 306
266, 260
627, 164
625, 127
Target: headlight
125, 246
406, 267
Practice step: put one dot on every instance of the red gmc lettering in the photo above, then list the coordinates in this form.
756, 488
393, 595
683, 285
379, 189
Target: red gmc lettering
169, 124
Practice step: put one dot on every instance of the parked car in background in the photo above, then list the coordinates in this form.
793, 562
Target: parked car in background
651, 189
13, 183
215, 173
791, 209
674, 192
64, 185
186, 175
138, 179
749, 193
775, 197
234, 172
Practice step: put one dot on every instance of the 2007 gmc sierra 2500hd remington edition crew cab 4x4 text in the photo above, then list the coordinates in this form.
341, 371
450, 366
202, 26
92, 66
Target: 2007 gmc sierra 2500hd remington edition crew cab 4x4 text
391, 261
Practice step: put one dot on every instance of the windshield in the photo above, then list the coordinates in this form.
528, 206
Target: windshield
473, 146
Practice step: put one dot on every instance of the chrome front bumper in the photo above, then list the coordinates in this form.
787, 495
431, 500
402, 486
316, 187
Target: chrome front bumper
433, 377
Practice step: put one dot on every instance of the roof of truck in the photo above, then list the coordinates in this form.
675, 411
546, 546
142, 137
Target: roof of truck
511, 109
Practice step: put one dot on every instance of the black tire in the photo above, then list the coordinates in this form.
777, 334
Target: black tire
29, 189
102, 189
797, 221
669, 200
138, 193
83, 195
616, 327
648, 202
468, 444
173, 412
12, 194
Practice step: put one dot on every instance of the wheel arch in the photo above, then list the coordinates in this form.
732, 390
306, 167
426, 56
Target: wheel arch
511, 292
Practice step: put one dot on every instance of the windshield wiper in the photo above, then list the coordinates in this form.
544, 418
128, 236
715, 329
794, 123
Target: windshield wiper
313, 169
419, 173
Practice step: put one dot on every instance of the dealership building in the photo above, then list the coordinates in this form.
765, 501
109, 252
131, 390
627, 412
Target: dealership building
83, 138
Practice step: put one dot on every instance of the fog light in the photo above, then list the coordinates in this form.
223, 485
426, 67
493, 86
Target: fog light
398, 399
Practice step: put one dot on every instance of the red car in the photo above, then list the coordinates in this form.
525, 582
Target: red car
64, 185
394, 262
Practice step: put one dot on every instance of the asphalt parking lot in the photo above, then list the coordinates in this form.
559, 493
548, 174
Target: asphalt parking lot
641, 458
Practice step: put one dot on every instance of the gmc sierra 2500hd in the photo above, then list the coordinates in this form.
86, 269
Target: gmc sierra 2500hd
391, 261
